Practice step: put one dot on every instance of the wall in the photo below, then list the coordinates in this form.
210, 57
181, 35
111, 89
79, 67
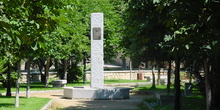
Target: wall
35, 77
126, 74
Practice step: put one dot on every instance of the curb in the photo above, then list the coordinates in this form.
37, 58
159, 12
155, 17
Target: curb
47, 105
148, 105
141, 92
128, 84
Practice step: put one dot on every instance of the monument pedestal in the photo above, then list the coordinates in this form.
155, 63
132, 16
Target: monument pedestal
105, 93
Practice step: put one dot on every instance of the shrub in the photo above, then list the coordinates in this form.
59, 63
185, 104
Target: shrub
75, 73
13, 79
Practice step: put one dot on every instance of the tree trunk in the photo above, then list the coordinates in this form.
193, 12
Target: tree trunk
190, 75
153, 77
17, 85
28, 78
47, 72
84, 69
65, 69
40, 66
177, 85
207, 85
201, 83
215, 82
158, 75
168, 78
8, 93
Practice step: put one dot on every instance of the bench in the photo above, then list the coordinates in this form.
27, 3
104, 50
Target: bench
188, 89
163, 99
59, 83
148, 78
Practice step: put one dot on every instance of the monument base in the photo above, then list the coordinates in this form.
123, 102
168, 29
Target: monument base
106, 93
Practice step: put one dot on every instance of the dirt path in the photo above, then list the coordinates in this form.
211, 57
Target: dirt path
71, 104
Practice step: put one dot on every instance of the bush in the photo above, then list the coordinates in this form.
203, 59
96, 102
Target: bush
2, 69
13, 80
75, 73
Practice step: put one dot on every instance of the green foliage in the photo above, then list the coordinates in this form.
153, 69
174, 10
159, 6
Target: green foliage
13, 80
165, 28
72, 35
144, 31
55, 29
23, 24
2, 66
3, 74
75, 73
73, 31
186, 30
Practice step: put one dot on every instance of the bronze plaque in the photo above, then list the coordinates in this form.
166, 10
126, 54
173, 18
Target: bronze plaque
96, 33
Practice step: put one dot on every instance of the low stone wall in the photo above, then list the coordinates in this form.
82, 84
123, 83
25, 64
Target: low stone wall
35, 77
123, 74
135, 75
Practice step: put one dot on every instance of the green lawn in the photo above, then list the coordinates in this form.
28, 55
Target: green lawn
194, 102
33, 103
158, 88
33, 87
111, 81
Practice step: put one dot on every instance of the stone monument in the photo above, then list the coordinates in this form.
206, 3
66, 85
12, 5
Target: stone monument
97, 63
96, 89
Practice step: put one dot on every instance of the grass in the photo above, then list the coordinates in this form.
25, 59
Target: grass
158, 88
111, 81
33, 87
33, 103
142, 106
194, 102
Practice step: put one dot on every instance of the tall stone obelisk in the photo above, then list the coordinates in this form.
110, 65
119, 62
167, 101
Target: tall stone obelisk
97, 62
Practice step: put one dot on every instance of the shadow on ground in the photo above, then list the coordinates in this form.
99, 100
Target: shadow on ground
133, 103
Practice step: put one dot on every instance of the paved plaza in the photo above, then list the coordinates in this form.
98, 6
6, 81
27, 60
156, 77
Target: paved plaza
59, 102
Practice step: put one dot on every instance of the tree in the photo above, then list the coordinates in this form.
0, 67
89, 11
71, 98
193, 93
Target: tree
22, 25
189, 32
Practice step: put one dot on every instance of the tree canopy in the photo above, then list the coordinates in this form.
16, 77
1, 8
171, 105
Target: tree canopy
55, 30
185, 30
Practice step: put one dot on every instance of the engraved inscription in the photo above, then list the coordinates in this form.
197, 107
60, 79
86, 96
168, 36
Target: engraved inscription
96, 33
